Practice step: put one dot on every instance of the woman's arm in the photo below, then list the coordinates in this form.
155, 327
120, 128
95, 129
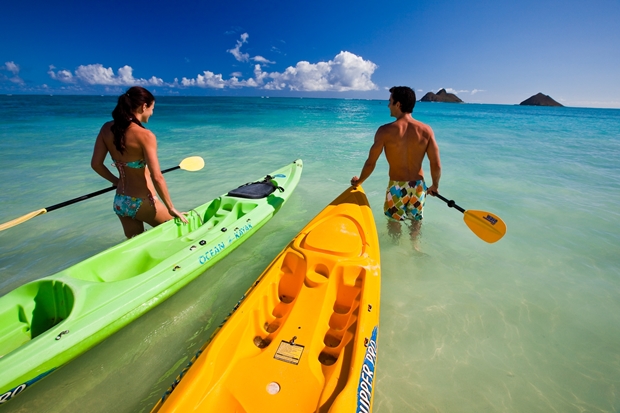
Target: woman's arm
99, 154
152, 162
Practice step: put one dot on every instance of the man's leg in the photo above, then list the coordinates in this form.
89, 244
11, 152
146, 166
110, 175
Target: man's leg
415, 227
394, 229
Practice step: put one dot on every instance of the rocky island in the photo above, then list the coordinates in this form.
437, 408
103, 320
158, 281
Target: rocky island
441, 96
540, 100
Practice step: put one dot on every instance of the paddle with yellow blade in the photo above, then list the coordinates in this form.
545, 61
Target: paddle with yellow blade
193, 163
487, 226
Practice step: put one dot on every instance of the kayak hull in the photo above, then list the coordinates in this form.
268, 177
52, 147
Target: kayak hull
48, 322
304, 337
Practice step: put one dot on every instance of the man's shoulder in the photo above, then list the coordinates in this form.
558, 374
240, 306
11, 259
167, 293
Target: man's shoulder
388, 126
421, 126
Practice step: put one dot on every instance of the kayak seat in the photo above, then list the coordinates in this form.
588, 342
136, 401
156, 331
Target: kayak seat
119, 265
256, 190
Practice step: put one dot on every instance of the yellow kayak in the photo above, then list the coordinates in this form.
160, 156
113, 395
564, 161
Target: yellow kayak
304, 337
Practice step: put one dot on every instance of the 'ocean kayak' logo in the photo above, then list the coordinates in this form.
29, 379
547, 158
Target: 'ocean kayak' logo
364, 390
220, 246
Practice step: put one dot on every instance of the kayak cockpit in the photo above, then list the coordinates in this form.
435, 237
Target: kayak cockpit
138, 255
34, 309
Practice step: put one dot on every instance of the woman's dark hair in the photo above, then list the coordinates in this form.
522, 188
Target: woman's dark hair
405, 95
122, 114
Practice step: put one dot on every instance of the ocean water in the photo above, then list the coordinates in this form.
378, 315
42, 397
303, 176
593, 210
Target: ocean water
529, 324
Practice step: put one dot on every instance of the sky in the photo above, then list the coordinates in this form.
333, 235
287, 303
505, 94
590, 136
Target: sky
498, 52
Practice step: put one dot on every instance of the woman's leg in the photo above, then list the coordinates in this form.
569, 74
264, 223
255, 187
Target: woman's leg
153, 214
131, 226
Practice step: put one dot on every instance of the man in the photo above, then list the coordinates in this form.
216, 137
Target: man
406, 141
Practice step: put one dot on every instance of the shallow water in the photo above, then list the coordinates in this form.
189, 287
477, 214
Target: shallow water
527, 324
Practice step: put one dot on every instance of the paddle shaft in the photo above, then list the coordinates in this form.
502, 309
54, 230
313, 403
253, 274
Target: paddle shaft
93, 194
450, 203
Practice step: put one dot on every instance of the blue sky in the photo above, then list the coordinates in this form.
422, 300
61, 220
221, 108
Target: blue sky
484, 51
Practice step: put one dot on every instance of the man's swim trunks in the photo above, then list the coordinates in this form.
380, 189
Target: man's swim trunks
405, 200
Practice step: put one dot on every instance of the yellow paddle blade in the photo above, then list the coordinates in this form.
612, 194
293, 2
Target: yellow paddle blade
192, 164
21, 219
489, 227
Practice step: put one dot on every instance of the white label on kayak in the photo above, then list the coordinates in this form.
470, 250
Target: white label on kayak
290, 353
364, 389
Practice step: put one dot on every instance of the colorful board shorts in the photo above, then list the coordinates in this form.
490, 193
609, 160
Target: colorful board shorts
405, 200
126, 206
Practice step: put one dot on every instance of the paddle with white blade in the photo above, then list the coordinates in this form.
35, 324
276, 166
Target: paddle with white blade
191, 164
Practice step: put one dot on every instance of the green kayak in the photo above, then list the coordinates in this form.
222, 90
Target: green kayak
47, 322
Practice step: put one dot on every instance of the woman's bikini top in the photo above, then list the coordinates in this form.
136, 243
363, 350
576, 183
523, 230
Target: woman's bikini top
139, 164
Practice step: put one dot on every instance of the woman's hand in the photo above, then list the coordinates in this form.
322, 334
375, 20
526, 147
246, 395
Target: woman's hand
175, 213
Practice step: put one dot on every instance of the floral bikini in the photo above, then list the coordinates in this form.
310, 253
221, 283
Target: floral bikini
125, 205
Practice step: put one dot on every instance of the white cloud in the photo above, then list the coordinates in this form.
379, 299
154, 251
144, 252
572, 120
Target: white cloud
96, 74
64, 76
346, 72
208, 79
213, 81
11, 67
261, 59
450, 90
245, 57
473, 92
241, 57
14, 69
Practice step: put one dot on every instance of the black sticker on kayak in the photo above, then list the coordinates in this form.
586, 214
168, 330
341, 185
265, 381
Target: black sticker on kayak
288, 352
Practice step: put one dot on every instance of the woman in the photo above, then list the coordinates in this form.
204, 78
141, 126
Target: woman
133, 149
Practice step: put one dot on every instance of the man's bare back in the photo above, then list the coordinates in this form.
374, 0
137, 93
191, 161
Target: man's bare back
405, 142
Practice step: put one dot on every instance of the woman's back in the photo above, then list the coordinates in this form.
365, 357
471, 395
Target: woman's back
135, 179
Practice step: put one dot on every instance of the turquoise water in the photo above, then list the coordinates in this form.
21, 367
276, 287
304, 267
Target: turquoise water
529, 324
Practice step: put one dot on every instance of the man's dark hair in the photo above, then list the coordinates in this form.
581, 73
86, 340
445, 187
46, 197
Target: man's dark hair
405, 95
